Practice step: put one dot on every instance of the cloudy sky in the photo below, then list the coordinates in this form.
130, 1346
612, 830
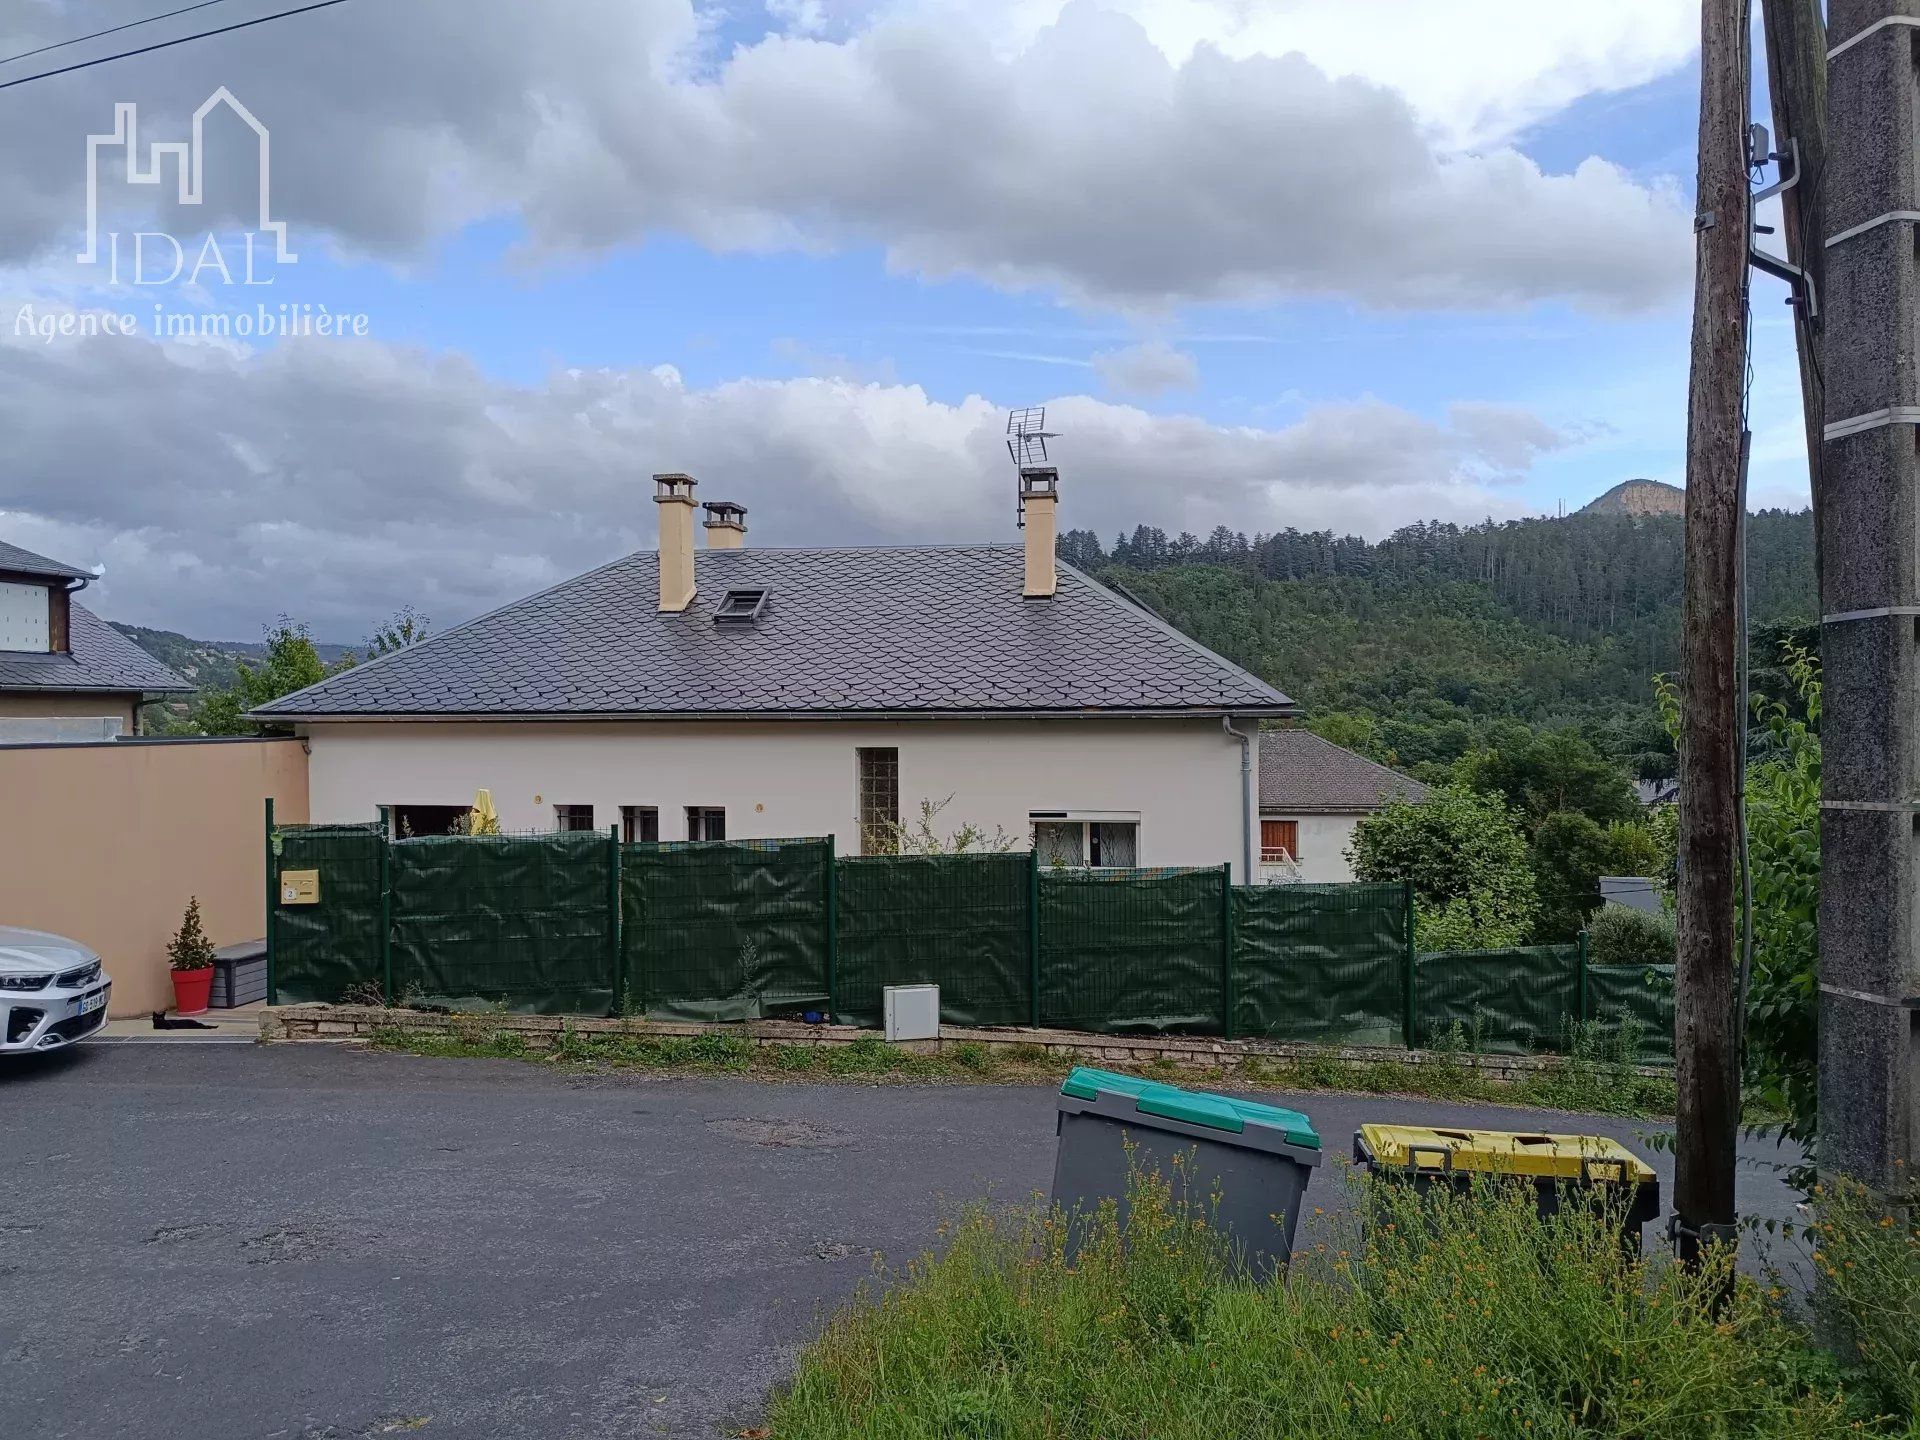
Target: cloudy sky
1318, 263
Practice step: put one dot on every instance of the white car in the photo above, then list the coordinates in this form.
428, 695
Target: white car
52, 991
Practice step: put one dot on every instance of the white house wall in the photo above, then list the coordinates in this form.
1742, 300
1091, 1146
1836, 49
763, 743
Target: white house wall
798, 778
1323, 847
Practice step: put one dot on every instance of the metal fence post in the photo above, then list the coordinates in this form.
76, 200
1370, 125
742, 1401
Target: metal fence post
1033, 934
1226, 951
1586, 1005
833, 930
273, 896
1412, 1022
386, 904
618, 966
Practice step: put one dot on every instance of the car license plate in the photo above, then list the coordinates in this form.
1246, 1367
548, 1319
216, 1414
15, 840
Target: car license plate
90, 1003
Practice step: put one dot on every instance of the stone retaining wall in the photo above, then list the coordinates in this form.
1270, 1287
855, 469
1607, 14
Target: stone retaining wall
349, 1022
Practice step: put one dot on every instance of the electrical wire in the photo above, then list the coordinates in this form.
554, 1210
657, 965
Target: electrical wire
169, 44
1742, 655
113, 30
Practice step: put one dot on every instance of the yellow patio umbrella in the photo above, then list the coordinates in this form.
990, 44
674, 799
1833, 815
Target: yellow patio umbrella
485, 820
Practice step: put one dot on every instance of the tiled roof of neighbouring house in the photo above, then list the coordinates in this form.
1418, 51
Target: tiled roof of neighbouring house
884, 630
101, 659
1301, 773
25, 562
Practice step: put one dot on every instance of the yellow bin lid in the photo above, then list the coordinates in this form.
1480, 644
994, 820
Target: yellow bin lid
1505, 1152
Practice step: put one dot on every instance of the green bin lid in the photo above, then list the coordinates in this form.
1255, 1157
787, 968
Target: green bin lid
1194, 1107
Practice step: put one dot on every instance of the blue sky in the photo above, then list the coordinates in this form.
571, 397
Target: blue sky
1269, 265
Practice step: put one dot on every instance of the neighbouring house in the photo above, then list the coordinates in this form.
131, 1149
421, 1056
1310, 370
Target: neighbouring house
733, 693
65, 674
1312, 794
1655, 793
1635, 892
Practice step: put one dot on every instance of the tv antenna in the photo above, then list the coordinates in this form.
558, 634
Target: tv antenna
1027, 437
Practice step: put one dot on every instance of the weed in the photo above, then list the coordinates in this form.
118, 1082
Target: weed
1460, 1315
972, 1055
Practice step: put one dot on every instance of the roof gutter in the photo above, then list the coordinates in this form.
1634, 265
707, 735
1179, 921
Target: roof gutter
1249, 802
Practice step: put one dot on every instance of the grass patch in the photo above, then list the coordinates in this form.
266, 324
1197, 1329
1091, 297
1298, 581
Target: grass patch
1595, 1077
1459, 1316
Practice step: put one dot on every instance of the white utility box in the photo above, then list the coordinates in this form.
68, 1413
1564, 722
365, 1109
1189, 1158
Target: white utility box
912, 1012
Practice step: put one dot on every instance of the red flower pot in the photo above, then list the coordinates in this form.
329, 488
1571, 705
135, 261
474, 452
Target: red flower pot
191, 990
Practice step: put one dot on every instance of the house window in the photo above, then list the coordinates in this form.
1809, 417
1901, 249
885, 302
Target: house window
573, 817
706, 822
1101, 844
878, 784
639, 824
1279, 842
414, 822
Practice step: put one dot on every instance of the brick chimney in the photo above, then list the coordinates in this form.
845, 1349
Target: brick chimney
726, 524
674, 495
1039, 495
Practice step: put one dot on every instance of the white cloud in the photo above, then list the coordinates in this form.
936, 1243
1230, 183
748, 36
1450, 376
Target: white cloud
1082, 160
338, 481
1150, 368
1476, 72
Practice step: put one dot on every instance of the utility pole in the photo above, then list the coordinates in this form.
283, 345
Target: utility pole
1796, 38
1707, 1062
1870, 604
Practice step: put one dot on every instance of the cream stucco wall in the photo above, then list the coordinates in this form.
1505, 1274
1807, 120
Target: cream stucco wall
1183, 778
59, 704
1323, 848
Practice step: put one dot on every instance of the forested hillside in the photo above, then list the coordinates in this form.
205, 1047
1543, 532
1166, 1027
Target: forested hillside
1411, 647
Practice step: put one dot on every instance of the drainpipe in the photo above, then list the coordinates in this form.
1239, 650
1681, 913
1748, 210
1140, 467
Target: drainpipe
1246, 797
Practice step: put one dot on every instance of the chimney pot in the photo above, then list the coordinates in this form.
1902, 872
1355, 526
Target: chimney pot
726, 524
1039, 495
673, 493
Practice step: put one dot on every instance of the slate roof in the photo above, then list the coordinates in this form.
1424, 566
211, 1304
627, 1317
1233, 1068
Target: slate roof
25, 562
938, 630
1301, 774
101, 659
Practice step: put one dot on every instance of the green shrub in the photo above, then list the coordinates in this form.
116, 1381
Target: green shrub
1462, 1316
1619, 936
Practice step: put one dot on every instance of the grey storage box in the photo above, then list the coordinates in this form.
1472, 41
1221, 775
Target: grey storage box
239, 975
1248, 1169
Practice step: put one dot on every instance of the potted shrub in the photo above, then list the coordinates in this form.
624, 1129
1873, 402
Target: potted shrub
190, 956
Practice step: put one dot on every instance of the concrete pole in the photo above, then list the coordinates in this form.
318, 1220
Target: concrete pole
1870, 600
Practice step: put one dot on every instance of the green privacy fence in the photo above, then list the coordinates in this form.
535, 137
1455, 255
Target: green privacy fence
520, 922
1642, 992
967, 920
1321, 963
1128, 950
725, 930
578, 923
322, 950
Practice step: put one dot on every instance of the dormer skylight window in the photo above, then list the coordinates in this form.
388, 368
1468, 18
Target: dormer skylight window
741, 607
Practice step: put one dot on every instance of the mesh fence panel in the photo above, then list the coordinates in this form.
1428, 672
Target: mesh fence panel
1514, 1001
1644, 992
1124, 950
322, 950
520, 922
958, 921
1322, 963
723, 929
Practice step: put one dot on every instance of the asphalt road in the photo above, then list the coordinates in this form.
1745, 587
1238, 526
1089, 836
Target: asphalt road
213, 1241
